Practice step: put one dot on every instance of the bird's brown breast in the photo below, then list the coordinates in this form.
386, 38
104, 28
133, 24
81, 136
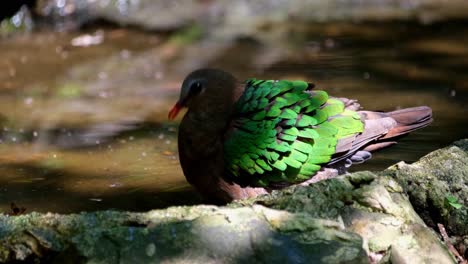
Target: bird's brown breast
202, 160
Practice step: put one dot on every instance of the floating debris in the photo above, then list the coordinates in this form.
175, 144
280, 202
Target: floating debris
115, 185
168, 153
88, 39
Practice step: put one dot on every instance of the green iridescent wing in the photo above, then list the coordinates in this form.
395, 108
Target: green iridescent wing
283, 131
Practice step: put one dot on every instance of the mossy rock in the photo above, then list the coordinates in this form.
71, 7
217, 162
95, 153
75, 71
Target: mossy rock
433, 180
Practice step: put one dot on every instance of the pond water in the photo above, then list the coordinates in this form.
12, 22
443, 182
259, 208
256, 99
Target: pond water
83, 115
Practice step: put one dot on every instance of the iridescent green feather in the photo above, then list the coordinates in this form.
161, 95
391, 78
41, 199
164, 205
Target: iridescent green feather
285, 132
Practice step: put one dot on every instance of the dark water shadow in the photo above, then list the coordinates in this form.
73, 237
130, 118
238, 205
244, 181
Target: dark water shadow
50, 196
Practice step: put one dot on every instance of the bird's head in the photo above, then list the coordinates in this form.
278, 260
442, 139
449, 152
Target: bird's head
202, 87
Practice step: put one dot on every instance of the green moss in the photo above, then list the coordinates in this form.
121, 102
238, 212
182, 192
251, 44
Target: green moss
187, 35
7, 27
69, 90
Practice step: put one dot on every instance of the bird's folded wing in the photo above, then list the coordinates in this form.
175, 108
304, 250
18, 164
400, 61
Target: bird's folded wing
283, 131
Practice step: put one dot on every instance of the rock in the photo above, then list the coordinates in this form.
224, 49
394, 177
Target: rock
21, 21
430, 181
371, 205
181, 234
246, 16
147, 14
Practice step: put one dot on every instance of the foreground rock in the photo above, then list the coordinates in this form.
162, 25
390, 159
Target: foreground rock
197, 234
434, 178
358, 218
437, 186
373, 206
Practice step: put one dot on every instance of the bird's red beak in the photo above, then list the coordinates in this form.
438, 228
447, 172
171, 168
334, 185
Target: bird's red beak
174, 111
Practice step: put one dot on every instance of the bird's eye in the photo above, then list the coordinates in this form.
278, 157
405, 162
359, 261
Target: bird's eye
195, 88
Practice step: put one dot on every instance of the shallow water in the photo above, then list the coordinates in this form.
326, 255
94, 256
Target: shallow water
85, 128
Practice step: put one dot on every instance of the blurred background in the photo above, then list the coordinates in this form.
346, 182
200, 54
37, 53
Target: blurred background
85, 85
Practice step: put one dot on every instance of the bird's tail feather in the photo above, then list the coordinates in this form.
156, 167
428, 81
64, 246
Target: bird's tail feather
408, 120
380, 130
